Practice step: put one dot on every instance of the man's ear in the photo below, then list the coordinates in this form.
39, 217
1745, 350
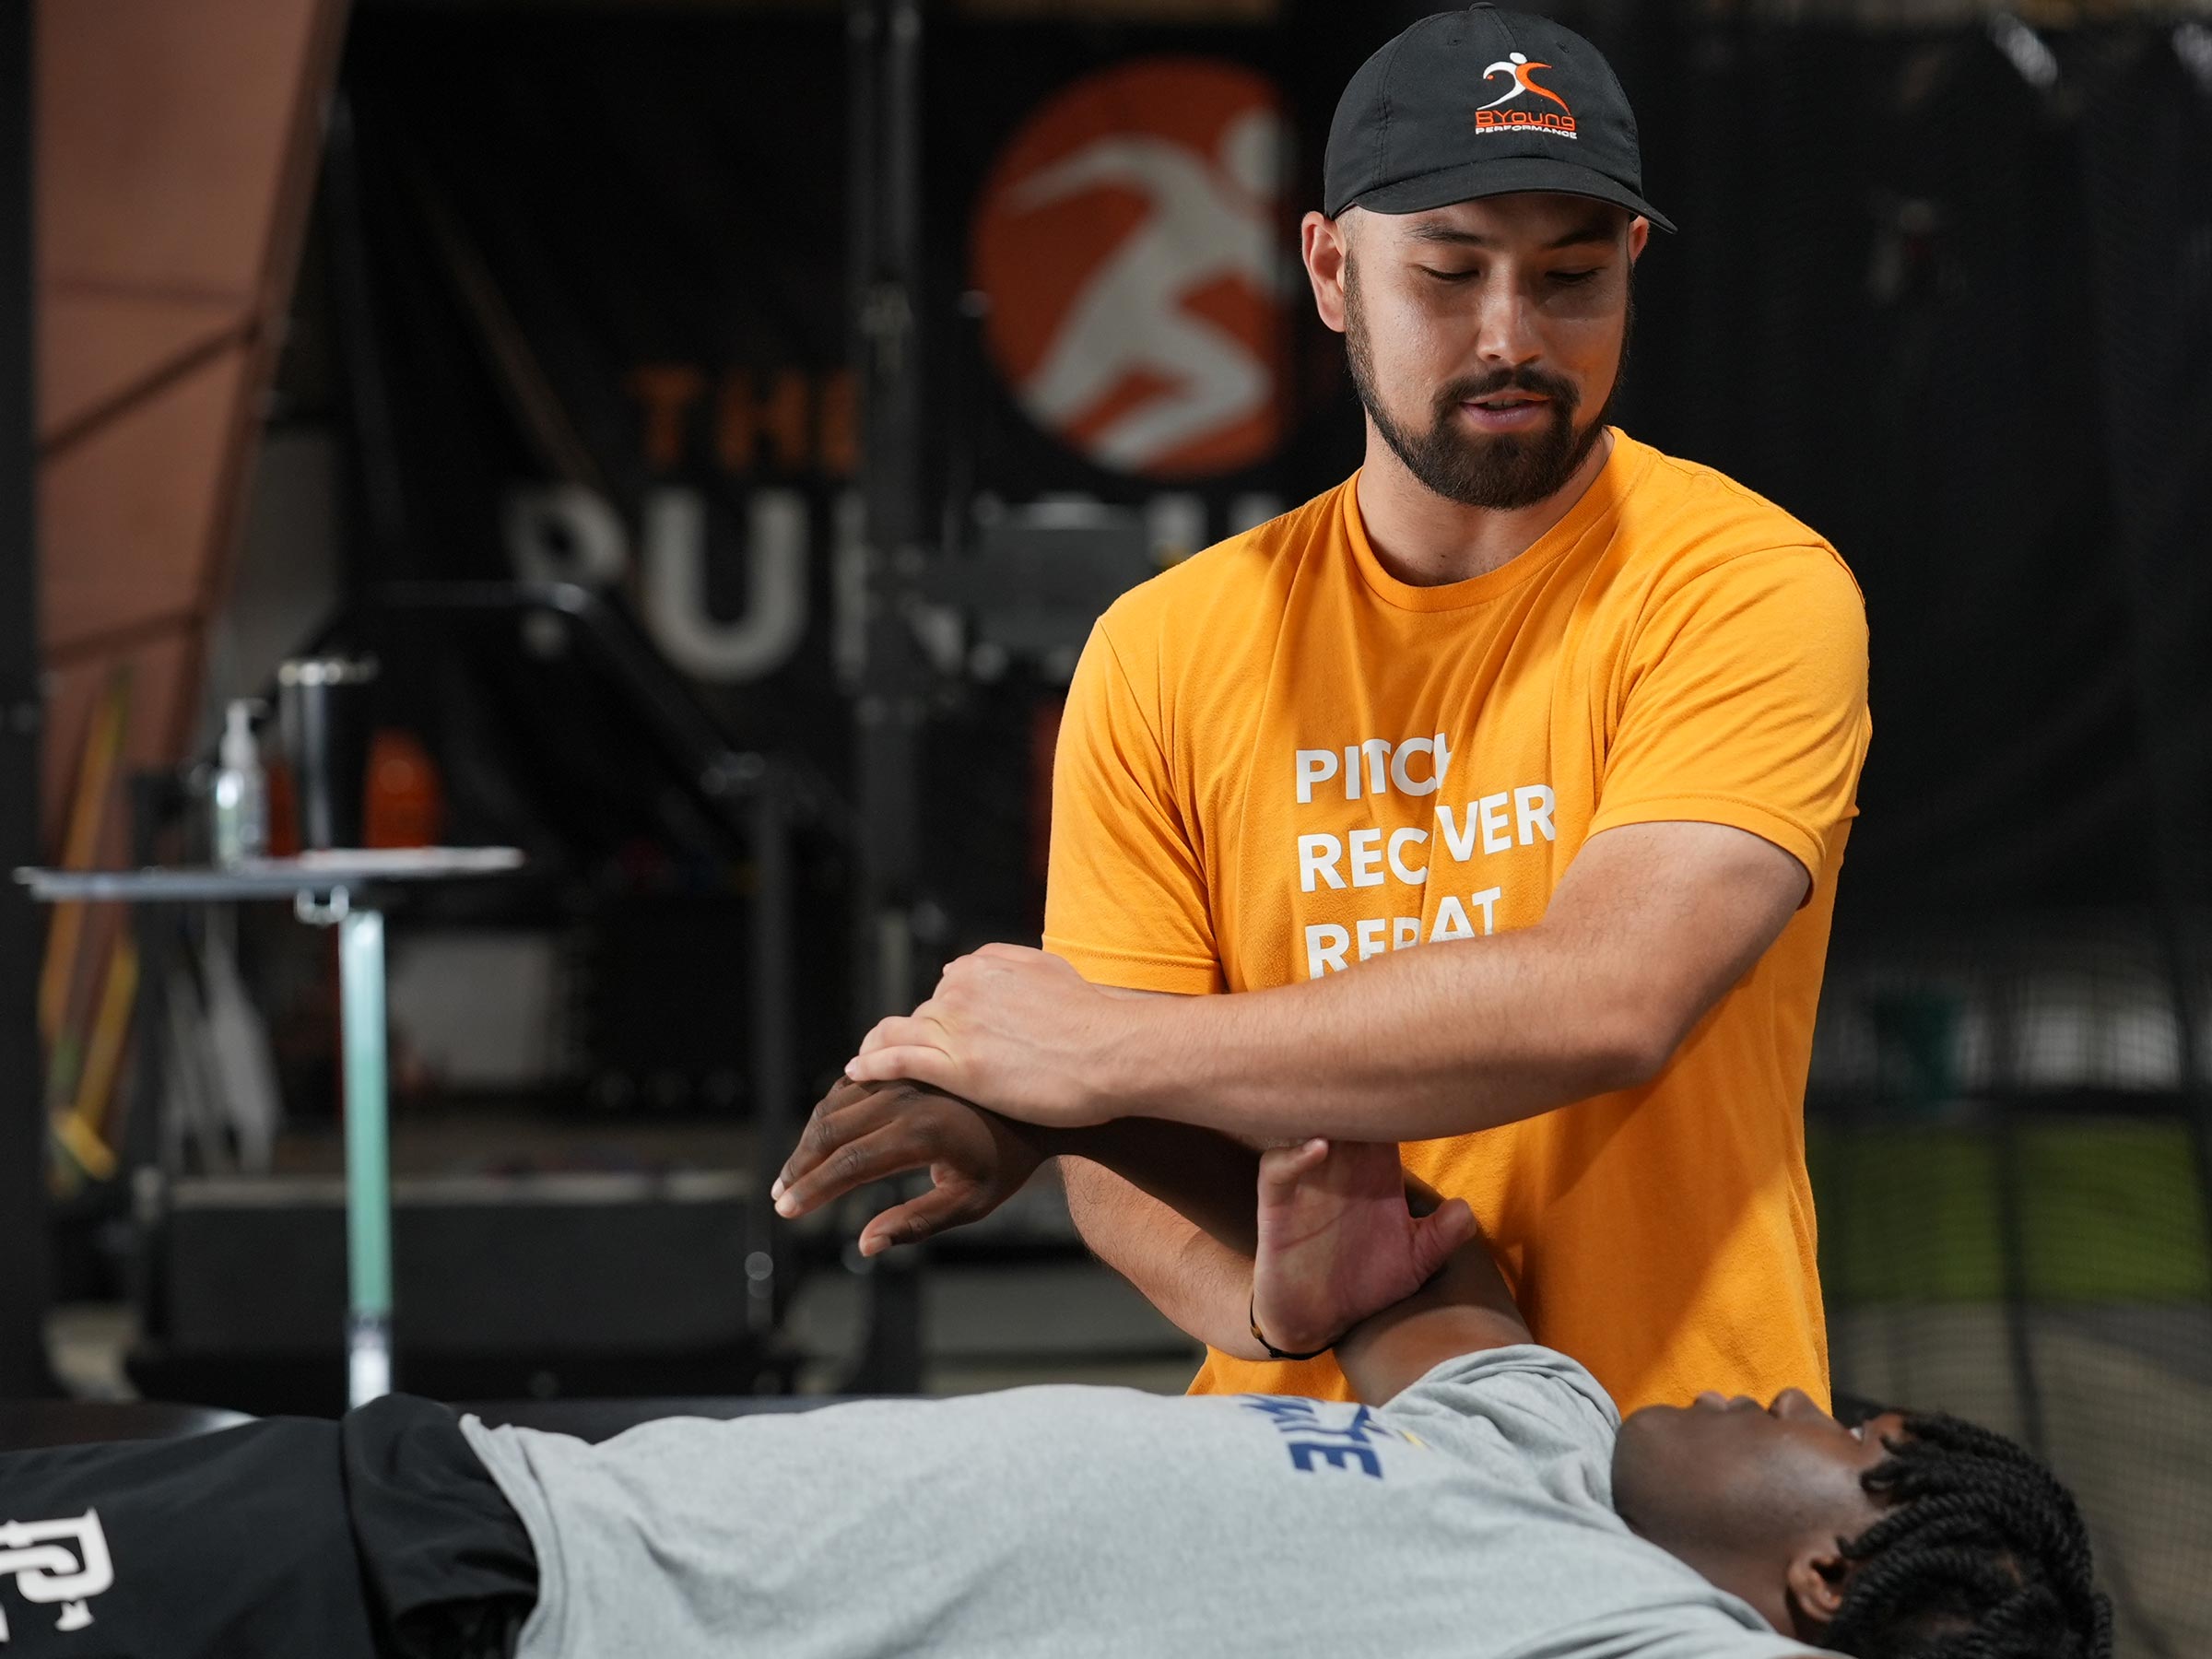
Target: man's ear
1324, 245
1640, 232
1817, 1578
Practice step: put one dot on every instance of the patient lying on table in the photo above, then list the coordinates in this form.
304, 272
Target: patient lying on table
1484, 1499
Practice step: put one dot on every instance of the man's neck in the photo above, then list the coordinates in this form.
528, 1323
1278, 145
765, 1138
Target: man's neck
1426, 541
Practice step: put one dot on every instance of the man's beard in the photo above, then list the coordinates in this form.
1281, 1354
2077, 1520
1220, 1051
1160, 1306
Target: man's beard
1501, 471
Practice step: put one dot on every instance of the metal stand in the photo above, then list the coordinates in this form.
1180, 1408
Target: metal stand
325, 891
884, 242
368, 1150
23, 1239
755, 798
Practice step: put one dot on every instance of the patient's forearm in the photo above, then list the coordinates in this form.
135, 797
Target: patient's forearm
1201, 1176
1190, 1274
1465, 1306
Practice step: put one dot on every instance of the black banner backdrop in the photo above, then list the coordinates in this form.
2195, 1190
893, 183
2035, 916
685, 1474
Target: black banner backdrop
1918, 299
610, 290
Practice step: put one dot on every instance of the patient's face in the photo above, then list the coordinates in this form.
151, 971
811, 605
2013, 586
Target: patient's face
1729, 1477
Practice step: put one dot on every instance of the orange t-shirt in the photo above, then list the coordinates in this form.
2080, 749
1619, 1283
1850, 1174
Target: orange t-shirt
1278, 759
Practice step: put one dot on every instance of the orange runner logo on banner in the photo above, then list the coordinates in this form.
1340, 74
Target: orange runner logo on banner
1130, 241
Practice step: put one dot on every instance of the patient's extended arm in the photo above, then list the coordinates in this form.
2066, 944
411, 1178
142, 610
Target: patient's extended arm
1305, 1193
863, 1133
1375, 1251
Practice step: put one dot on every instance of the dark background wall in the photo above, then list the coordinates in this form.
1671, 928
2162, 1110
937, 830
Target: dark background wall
1955, 320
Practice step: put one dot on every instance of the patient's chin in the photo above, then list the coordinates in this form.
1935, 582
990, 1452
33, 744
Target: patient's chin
1648, 1446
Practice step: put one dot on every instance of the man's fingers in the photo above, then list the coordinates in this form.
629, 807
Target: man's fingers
1436, 1236
899, 1028
875, 1156
915, 1062
918, 1218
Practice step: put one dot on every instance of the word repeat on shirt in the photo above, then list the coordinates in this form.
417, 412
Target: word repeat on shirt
1277, 761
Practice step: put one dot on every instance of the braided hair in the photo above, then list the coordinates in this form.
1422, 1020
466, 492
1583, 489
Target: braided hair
1982, 1555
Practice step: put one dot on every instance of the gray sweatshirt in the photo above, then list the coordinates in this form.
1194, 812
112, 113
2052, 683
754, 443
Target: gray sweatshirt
1471, 1516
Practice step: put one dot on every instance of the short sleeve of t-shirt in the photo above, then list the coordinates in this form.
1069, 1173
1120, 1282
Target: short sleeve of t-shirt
1535, 1413
1535, 1406
1744, 702
1126, 896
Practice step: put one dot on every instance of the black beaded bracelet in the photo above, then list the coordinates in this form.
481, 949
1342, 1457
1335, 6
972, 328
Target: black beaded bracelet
1252, 1317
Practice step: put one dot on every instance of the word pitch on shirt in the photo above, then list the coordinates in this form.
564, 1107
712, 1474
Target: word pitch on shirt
1372, 856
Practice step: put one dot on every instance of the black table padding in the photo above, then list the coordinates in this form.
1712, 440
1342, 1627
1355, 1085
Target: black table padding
25, 1424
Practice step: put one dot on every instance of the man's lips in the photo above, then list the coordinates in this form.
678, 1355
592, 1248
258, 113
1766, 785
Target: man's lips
1505, 411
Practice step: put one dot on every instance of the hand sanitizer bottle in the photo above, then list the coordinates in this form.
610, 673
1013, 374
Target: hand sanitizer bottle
242, 791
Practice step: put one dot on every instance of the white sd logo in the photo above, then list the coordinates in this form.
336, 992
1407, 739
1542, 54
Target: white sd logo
63, 1561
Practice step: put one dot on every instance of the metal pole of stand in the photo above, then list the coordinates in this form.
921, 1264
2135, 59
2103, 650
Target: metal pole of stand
885, 255
368, 1154
23, 1220
775, 1071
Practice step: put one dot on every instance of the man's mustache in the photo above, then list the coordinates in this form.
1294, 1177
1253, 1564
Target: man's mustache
1533, 381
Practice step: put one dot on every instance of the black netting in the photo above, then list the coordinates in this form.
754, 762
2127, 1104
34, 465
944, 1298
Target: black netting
2011, 1176
1963, 322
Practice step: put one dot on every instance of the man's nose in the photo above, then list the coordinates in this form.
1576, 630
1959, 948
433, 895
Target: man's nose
1506, 331
1792, 1404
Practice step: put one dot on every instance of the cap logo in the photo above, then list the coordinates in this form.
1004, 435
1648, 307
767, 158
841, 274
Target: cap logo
1492, 118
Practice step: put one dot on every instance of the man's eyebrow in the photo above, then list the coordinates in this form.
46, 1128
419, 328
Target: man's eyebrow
1583, 235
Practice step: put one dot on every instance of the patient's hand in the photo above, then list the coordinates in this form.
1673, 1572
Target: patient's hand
1338, 1241
866, 1131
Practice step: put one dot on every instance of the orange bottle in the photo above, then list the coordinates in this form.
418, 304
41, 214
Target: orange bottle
404, 802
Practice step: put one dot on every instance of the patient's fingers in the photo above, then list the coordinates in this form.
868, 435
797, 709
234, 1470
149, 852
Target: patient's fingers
876, 1154
1436, 1236
1280, 1166
936, 1211
833, 1121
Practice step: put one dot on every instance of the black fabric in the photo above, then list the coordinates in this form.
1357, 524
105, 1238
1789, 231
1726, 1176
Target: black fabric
26, 1424
379, 1537
1473, 180
1462, 92
449, 1566
234, 1545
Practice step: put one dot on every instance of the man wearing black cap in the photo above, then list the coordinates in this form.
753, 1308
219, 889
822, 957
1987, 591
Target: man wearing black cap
1505, 783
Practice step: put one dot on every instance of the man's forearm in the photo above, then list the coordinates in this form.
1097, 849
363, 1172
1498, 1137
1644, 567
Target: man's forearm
1446, 1040
1649, 928
1197, 1277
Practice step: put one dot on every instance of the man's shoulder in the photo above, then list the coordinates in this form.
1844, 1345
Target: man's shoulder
1210, 596
1688, 523
1674, 485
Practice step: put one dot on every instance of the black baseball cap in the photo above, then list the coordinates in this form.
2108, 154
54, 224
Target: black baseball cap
1483, 102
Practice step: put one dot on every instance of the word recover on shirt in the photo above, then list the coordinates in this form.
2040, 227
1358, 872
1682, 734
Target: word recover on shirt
1372, 856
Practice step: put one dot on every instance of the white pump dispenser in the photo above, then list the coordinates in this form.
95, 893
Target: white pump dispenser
242, 791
